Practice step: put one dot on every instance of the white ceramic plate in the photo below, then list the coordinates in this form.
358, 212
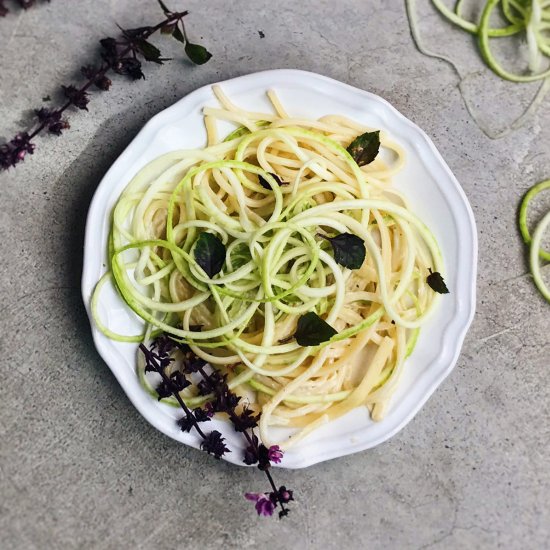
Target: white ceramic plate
434, 193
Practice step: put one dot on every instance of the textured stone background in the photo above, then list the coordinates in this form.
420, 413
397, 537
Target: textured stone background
81, 469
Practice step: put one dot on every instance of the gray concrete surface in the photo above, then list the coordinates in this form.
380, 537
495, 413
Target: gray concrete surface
81, 469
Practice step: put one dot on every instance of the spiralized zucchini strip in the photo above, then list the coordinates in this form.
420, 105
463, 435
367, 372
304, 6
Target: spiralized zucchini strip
526, 18
536, 251
272, 192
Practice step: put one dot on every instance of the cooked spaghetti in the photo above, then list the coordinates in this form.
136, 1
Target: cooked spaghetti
274, 193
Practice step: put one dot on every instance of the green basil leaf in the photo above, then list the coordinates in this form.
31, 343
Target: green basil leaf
196, 53
149, 51
163, 7
365, 147
349, 250
209, 253
312, 330
436, 282
178, 35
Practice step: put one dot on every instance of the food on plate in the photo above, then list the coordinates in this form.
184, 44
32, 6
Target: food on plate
283, 257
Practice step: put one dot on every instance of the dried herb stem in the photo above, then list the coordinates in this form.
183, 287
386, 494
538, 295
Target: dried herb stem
106, 67
252, 443
120, 56
172, 386
214, 384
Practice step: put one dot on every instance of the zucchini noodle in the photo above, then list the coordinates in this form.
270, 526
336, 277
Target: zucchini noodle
528, 18
536, 252
271, 191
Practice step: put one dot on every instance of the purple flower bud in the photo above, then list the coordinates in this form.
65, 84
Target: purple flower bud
250, 457
15, 151
214, 444
78, 98
42, 114
57, 127
51, 120
129, 66
103, 83
21, 141
285, 495
194, 365
100, 80
209, 410
263, 505
274, 454
179, 381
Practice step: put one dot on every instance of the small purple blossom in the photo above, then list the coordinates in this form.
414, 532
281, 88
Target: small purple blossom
160, 350
283, 495
57, 127
189, 420
179, 381
274, 454
263, 505
22, 141
79, 98
47, 116
51, 119
97, 76
129, 66
176, 383
246, 420
209, 410
202, 415
103, 83
194, 364
214, 444
15, 151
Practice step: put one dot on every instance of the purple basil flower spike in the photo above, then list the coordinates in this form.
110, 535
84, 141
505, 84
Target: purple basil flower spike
118, 55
